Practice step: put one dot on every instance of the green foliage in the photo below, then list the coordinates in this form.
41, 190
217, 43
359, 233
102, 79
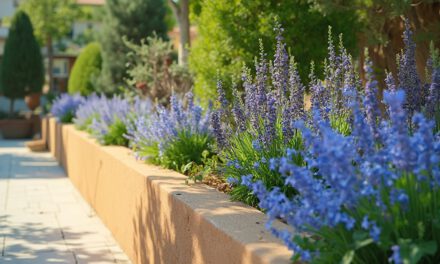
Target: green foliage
197, 172
186, 148
245, 158
115, 135
52, 18
373, 15
340, 123
230, 32
134, 19
153, 71
22, 68
86, 126
67, 118
184, 153
86, 68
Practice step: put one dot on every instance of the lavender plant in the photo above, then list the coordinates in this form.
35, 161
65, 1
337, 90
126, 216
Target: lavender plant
108, 118
360, 201
65, 106
173, 137
258, 125
87, 112
109, 127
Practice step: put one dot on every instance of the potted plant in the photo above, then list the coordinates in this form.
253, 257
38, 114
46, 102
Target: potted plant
22, 73
32, 100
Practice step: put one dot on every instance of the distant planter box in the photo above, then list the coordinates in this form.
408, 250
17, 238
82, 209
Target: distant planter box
16, 128
154, 215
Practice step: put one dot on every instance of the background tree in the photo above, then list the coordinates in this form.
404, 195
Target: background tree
52, 19
86, 68
134, 19
381, 27
181, 12
229, 33
22, 68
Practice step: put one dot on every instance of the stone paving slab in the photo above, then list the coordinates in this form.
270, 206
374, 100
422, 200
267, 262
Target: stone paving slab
43, 219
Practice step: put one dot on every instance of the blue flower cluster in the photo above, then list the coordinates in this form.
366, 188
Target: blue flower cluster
357, 182
182, 130
84, 115
107, 113
165, 124
369, 193
99, 114
65, 106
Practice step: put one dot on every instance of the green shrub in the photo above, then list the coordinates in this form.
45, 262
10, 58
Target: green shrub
86, 68
134, 19
22, 68
245, 157
152, 70
230, 32
115, 135
186, 148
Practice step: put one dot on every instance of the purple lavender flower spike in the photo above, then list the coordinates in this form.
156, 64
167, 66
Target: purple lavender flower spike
238, 111
261, 68
407, 72
270, 120
371, 103
218, 129
390, 82
221, 95
397, 141
280, 69
433, 101
296, 92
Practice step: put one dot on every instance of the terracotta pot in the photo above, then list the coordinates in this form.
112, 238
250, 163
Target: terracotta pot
16, 128
33, 100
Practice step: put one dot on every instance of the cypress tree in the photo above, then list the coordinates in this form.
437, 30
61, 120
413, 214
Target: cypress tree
134, 19
22, 68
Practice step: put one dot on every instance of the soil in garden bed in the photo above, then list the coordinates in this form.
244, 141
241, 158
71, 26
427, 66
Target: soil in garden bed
218, 183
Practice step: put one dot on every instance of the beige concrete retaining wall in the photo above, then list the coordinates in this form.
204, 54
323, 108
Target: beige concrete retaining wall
154, 215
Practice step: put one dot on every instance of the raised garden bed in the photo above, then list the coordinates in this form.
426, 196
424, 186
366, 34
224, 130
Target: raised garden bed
154, 215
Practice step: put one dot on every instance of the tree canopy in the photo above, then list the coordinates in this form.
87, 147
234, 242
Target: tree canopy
229, 34
52, 18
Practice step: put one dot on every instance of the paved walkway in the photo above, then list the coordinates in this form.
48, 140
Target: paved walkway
43, 219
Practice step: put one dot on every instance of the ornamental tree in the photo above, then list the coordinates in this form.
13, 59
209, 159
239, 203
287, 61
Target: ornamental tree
86, 68
134, 19
22, 68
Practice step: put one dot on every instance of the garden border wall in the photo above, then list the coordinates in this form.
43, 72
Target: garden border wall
154, 215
